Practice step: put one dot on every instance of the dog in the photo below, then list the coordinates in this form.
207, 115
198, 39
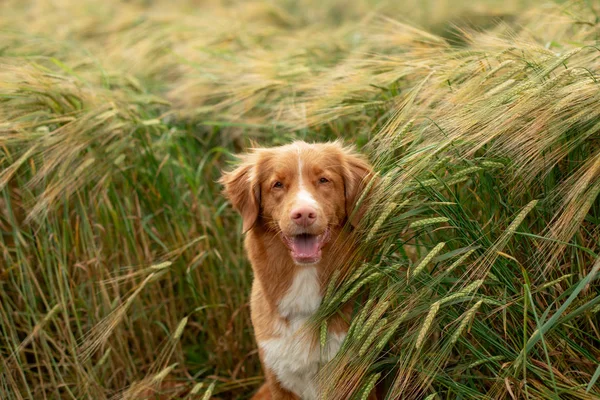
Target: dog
297, 204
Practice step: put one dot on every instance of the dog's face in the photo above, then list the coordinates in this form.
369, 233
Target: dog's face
301, 191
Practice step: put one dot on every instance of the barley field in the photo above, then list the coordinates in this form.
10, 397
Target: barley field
122, 272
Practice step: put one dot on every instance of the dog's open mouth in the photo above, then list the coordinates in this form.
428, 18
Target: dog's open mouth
306, 248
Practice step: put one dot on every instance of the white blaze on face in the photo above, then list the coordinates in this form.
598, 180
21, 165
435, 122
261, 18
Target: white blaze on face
303, 197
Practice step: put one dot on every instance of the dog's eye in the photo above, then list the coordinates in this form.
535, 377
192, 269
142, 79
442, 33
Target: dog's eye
323, 180
278, 185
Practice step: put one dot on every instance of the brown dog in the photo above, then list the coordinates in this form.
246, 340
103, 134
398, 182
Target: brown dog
294, 201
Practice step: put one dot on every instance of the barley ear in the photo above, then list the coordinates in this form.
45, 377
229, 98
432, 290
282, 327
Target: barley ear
371, 338
323, 335
368, 387
521, 216
360, 318
427, 324
427, 259
382, 217
370, 323
468, 316
209, 391
459, 261
360, 284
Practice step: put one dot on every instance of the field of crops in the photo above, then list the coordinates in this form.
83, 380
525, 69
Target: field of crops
122, 271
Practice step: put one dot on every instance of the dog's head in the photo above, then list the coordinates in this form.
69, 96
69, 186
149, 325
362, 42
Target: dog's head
300, 191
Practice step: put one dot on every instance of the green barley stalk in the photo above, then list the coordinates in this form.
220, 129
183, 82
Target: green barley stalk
386, 212
520, 217
427, 259
468, 316
472, 287
466, 171
331, 285
519, 90
431, 396
492, 164
550, 83
493, 302
196, 389
159, 377
500, 88
384, 215
323, 335
104, 358
180, 328
440, 163
371, 338
498, 68
560, 61
209, 391
427, 183
554, 282
428, 221
377, 312
459, 261
366, 390
366, 280
390, 332
362, 316
357, 274
492, 276
427, 324
454, 180
401, 133
485, 360
160, 266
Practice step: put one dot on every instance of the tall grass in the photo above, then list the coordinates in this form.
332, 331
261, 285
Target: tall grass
122, 273
493, 154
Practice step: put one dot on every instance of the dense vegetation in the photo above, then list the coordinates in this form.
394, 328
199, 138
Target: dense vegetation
122, 273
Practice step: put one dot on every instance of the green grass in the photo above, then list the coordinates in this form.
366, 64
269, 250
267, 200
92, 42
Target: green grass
122, 273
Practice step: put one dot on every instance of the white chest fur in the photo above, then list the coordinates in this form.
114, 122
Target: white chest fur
292, 355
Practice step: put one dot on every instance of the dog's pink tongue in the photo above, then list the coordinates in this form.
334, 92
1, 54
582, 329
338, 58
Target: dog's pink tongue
305, 245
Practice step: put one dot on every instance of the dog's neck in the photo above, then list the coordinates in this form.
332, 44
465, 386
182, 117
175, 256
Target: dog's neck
281, 279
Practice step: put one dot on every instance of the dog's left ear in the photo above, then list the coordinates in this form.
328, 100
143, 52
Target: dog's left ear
243, 191
358, 172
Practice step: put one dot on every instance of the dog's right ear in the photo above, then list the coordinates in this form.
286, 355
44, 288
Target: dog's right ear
357, 174
243, 191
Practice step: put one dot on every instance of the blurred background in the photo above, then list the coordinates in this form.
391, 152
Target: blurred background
122, 272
